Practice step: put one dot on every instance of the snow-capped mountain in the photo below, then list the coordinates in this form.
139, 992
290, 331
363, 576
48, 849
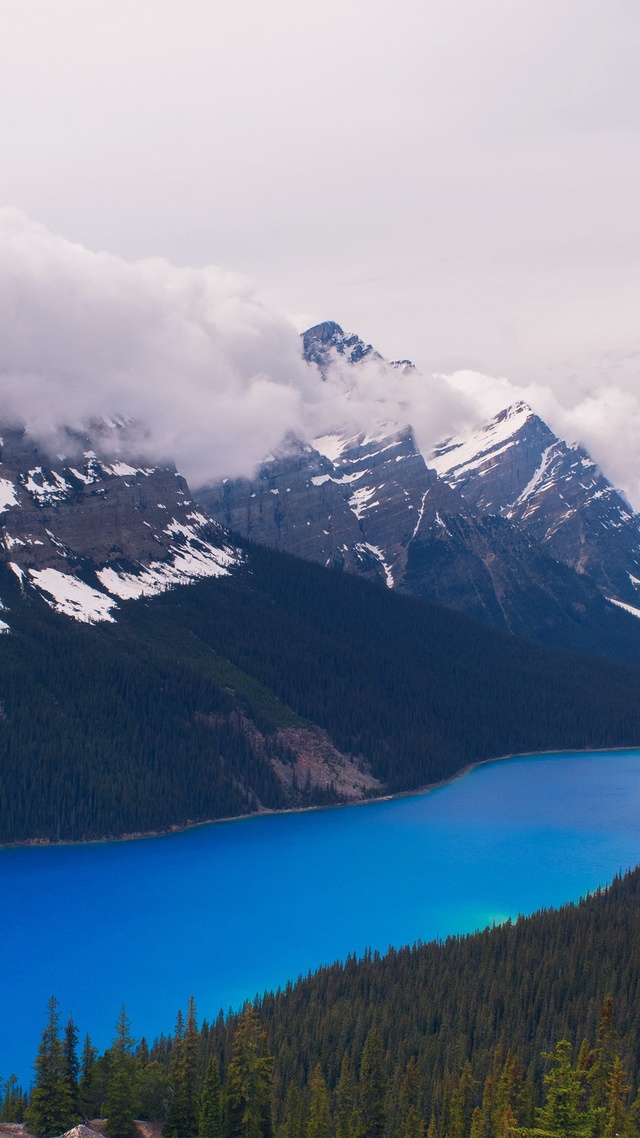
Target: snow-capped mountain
372, 506
87, 532
509, 523
326, 343
517, 467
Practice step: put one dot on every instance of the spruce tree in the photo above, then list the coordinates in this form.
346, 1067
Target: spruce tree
371, 1089
561, 1113
345, 1100
120, 1106
87, 1104
210, 1122
248, 1084
411, 1120
71, 1062
182, 1114
319, 1124
295, 1115
50, 1110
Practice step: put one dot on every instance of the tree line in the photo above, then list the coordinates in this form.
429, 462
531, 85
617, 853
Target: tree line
521, 1031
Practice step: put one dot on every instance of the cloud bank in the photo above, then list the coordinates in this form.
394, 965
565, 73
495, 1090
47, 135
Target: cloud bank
212, 379
212, 376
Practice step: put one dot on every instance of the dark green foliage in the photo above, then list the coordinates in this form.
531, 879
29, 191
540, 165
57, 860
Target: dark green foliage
13, 1101
295, 1116
51, 1107
520, 987
372, 1088
71, 1062
182, 1114
87, 1101
346, 1101
120, 1104
445, 1039
320, 1124
248, 1089
210, 1121
153, 721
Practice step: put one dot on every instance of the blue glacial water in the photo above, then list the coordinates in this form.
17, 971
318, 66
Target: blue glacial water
227, 910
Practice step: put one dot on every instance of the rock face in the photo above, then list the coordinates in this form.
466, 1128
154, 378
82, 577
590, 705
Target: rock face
86, 531
374, 507
516, 467
509, 523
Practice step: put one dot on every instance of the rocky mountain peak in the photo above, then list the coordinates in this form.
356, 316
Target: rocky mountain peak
327, 341
89, 531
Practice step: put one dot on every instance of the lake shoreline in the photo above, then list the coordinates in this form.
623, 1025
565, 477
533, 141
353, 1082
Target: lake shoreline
184, 827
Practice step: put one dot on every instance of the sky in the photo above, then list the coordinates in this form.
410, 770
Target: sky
455, 180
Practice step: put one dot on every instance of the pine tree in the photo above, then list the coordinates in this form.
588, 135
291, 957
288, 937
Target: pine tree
12, 1101
561, 1113
249, 1080
71, 1062
345, 1100
371, 1088
119, 1104
411, 1120
50, 1110
182, 1115
319, 1124
86, 1092
295, 1115
210, 1122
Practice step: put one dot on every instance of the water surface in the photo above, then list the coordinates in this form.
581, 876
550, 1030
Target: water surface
226, 910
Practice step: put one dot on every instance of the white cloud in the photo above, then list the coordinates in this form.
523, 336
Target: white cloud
214, 379
213, 376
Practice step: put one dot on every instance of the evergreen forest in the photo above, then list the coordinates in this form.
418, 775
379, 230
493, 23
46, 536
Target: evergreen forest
527, 1030
172, 714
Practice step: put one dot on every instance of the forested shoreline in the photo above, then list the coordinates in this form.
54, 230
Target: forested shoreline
523, 1029
179, 712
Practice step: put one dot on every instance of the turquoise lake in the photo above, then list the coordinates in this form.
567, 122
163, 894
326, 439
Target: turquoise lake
224, 911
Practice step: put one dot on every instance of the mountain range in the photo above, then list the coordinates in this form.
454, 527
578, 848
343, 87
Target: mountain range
508, 523
206, 675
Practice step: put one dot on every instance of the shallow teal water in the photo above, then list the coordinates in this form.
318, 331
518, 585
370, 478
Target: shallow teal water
227, 910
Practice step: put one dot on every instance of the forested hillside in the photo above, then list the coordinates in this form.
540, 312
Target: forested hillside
529, 1028
181, 710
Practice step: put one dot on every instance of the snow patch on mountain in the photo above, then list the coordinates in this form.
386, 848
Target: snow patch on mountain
72, 597
7, 494
478, 451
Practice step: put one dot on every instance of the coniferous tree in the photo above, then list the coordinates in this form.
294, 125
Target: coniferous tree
12, 1101
604, 1054
51, 1110
120, 1105
249, 1080
151, 1090
71, 1062
295, 1115
561, 1113
182, 1114
371, 1089
87, 1104
345, 1100
210, 1121
616, 1117
319, 1124
411, 1120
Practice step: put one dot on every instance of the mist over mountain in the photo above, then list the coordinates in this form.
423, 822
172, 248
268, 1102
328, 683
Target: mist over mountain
209, 377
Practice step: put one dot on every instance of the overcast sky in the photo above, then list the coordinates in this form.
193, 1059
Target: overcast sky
457, 180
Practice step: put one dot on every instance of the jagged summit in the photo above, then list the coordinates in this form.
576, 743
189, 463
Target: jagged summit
88, 532
327, 340
517, 467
